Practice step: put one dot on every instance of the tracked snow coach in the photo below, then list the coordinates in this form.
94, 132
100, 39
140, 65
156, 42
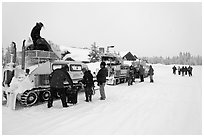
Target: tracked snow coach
30, 83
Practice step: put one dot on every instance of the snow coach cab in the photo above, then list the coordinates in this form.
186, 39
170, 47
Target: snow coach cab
74, 69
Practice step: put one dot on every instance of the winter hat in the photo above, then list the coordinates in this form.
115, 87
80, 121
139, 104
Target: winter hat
103, 64
84, 69
40, 24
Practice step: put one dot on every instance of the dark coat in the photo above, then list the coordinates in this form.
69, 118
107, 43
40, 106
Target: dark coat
174, 68
151, 71
190, 68
88, 79
35, 33
182, 69
58, 77
102, 74
185, 69
131, 72
135, 71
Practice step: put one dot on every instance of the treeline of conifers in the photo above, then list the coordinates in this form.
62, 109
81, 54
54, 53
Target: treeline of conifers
184, 58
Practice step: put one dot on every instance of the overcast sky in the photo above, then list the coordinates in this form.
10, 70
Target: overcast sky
146, 29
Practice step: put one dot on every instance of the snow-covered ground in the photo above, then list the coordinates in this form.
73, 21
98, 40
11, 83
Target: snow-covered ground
172, 105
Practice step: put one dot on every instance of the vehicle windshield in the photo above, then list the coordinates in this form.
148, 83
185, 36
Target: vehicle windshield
109, 60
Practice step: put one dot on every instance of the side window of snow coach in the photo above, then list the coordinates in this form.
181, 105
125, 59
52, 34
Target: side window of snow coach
75, 67
56, 66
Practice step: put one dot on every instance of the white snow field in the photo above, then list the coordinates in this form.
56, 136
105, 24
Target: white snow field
172, 105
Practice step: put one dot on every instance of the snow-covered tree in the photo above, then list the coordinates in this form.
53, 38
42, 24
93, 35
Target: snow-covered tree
184, 58
95, 53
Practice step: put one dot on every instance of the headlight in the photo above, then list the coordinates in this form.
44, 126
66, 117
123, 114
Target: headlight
21, 78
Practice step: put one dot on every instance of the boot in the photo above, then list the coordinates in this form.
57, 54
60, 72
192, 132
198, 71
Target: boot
90, 98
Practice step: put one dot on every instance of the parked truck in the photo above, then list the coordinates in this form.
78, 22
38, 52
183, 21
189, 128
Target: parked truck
117, 71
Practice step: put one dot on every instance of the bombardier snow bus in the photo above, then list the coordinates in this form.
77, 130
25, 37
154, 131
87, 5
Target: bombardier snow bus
38, 79
30, 83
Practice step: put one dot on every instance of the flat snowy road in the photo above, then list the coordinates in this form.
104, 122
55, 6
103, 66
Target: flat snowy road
172, 105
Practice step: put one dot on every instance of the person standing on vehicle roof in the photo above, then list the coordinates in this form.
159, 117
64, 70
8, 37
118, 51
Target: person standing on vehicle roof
101, 79
57, 79
35, 33
88, 83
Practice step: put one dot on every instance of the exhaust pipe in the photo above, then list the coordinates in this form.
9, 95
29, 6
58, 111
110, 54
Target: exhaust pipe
23, 56
14, 52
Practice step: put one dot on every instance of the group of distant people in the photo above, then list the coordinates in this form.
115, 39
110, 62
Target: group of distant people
184, 70
134, 72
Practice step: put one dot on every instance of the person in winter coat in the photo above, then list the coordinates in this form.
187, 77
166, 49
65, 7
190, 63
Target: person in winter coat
186, 70
101, 79
135, 73
179, 70
57, 79
130, 75
190, 71
141, 73
174, 69
35, 33
151, 73
182, 70
88, 84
